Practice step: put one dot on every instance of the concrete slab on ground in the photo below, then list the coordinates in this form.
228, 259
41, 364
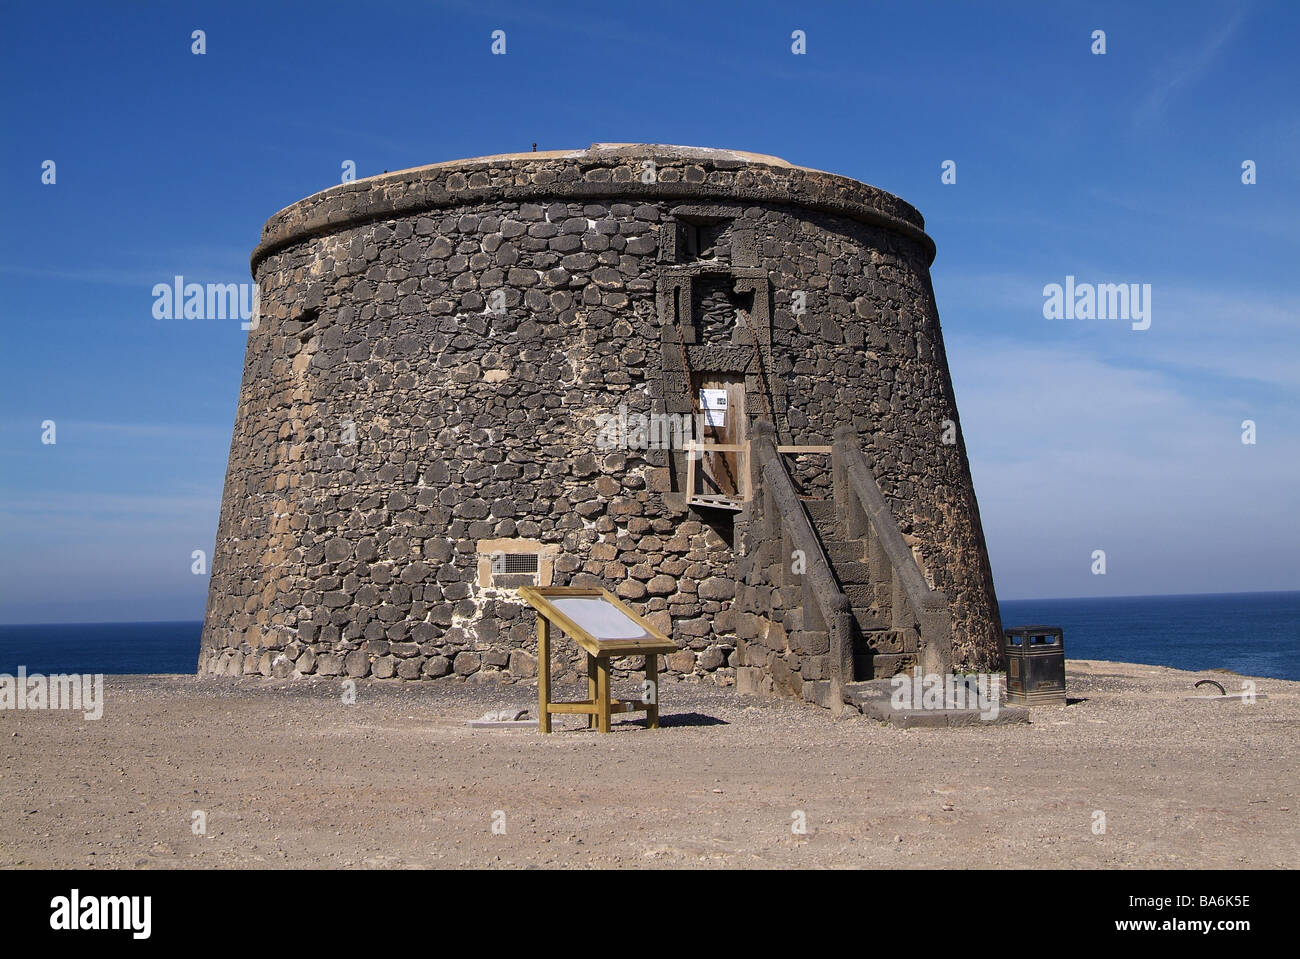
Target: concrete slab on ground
874, 699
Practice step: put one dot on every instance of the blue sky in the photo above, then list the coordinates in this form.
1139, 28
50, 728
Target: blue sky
1083, 434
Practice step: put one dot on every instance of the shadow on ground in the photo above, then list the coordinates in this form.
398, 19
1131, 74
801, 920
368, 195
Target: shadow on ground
691, 719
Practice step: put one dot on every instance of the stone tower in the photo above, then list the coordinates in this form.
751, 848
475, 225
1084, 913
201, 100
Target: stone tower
479, 374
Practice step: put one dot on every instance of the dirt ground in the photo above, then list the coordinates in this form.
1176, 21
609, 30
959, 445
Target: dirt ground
286, 774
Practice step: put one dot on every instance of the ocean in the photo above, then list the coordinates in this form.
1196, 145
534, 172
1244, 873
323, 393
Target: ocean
1257, 634
101, 647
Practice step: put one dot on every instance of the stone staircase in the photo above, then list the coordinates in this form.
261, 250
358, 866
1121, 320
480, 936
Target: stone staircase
880, 650
857, 609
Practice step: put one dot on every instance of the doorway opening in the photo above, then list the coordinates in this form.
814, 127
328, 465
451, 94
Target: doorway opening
718, 462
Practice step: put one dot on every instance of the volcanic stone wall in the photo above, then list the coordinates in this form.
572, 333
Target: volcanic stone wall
433, 357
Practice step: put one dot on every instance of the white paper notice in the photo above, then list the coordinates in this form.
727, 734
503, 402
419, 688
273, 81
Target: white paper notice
713, 403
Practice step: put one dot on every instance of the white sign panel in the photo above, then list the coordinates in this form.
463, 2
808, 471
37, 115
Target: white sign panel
603, 621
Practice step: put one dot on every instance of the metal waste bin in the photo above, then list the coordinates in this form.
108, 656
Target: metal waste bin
1035, 658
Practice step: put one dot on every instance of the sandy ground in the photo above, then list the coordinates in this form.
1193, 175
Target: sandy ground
287, 775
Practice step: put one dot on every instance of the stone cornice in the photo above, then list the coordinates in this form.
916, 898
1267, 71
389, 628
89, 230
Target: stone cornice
602, 172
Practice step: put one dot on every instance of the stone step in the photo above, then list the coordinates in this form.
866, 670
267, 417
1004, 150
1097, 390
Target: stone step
832, 532
860, 693
884, 665
869, 619
853, 573
869, 662
890, 640
860, 594
844, 551
875, 699
820, 510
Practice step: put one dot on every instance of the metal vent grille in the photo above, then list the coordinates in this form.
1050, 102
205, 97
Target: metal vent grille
515, 563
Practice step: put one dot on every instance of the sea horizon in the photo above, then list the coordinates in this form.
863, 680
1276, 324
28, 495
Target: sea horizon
1252, 633
1009, 599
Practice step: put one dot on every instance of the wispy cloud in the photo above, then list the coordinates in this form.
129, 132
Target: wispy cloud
1071, 453
128, 504
182, 431
1183, 71
1143, 206
144, 268
1245, 335
96, 274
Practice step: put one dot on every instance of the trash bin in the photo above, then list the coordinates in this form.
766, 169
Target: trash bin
1035, 658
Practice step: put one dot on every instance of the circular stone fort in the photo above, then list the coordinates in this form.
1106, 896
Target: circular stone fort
708, 381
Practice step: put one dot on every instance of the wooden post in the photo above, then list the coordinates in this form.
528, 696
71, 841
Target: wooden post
591, 689
543, 673
652, 677
602, 693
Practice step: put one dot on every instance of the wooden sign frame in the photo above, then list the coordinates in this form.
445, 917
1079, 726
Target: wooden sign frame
599, 705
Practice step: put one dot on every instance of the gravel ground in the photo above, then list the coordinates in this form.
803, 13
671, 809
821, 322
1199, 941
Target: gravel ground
286, 774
